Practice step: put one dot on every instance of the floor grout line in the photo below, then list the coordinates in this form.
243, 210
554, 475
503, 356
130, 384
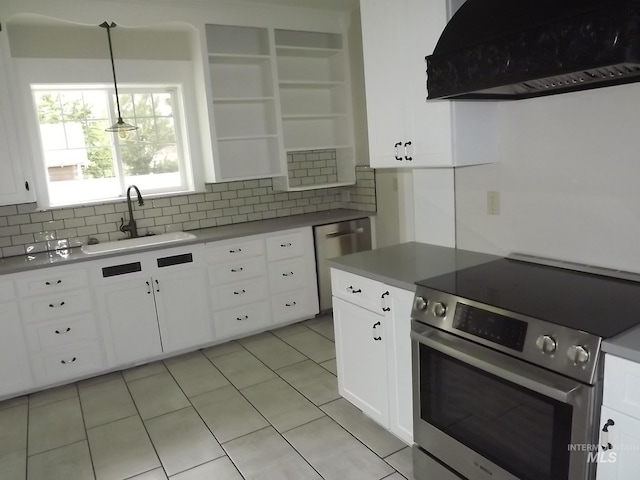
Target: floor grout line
191, 405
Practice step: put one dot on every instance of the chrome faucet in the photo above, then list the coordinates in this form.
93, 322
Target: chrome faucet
131, 227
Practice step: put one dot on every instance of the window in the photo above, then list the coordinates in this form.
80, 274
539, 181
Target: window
84, 163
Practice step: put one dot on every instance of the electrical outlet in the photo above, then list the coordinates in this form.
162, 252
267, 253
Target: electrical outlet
493, 203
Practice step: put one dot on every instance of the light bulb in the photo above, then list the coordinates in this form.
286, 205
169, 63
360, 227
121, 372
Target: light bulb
122, 132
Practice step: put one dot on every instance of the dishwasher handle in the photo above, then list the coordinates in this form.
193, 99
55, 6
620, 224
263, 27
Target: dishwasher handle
356, 231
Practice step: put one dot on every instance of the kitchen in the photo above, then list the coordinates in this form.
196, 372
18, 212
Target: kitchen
560, 194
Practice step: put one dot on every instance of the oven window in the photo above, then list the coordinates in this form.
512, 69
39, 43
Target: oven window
521, 431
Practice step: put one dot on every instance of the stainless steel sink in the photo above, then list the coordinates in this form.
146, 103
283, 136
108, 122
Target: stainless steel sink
140, 242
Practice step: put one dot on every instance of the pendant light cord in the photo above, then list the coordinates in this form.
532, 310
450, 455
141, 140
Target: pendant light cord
109, 26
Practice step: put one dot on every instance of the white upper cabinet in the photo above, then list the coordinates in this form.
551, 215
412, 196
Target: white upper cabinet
404, 129
15, 187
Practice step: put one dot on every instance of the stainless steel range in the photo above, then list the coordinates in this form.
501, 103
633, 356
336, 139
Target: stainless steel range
507, 369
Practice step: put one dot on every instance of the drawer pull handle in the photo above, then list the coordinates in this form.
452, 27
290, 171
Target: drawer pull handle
67, 362
604, 442
237, 250
157, 285
67, 330
246, 317
350, 289
290, 274
61, 304
57, 282
285, 245
386, 309
148, 288
395, 151
292, 304
241, 292
236, 270
376, 337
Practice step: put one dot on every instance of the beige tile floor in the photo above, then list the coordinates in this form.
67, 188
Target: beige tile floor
264, 407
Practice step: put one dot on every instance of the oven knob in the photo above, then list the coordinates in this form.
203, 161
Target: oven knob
546, 344
578, 354
420, 303
439, 309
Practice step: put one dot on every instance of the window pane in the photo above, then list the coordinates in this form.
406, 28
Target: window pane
83, 161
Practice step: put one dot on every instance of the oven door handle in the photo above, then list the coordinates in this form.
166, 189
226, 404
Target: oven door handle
520, 373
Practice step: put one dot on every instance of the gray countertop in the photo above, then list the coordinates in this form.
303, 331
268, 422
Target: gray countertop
72, 255
625, 345
404, 264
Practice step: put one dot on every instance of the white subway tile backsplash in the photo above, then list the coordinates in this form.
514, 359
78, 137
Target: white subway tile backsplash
22, 227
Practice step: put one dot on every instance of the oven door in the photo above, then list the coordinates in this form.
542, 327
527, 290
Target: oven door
490, 416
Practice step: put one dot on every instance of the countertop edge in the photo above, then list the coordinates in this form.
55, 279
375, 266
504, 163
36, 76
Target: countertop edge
625, 345
394, 282
74, 255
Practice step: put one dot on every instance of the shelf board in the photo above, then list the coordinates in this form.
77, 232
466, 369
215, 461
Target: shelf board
245, 137
225, 58
318, 187
315, 147
291, 51
313, 116
242, 99
309, 83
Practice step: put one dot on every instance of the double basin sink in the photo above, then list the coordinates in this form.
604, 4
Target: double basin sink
139, 242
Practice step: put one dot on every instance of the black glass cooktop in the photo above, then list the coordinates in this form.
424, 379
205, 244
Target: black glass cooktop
596, 304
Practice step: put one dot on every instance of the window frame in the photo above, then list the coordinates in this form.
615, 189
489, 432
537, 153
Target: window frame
137, 75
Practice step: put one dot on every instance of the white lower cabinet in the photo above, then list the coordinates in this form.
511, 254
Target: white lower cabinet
153, 304
129, 310
620, 421
361, 354
15, 370
372, 324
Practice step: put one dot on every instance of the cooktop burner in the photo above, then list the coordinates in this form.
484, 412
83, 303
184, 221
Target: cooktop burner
600, 305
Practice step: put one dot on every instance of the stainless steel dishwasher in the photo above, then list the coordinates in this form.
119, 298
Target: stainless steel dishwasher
335, 240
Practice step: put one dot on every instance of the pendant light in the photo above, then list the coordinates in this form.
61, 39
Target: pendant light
120, 127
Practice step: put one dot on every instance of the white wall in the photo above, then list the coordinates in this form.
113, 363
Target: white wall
568, 177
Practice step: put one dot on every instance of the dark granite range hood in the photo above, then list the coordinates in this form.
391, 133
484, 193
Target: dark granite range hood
515, 49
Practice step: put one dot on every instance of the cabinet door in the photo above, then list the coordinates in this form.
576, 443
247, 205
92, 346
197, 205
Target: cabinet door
183, 313
361, 344
398, 319
384, 71
129, 310
15, 371
623, 460
13, 186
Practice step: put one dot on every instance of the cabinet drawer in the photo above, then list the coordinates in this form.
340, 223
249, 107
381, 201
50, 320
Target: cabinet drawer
6, 291
240, 293
242, 319
287, 275
231, 251
294, 305
56, 333
67, 362
358, 290
622, 385
57, 305
51, 280
238, 270
287, 245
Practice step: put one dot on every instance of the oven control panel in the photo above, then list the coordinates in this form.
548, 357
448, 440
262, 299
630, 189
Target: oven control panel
567, 351
491, 326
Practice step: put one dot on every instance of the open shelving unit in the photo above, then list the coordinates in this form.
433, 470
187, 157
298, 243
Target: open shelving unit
274, 93
247, 128
315, 100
